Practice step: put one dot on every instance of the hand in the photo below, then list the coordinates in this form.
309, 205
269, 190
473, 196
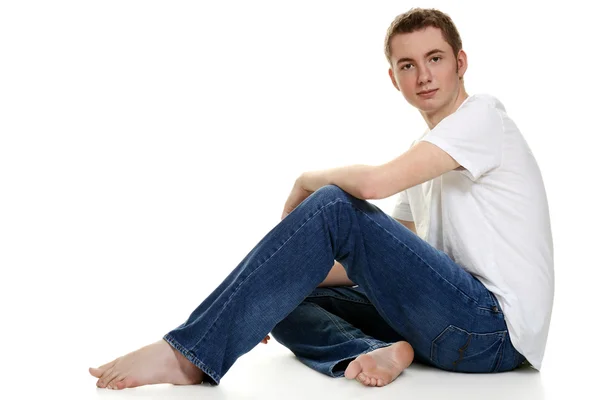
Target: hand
266, 339
297, 196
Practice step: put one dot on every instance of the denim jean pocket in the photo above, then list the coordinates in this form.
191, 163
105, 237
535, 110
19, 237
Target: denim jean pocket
456, 349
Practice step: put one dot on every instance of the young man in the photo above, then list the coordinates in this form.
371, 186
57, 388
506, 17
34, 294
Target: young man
464, 282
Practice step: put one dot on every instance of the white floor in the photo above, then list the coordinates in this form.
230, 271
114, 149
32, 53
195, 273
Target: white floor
53, 331
271, 372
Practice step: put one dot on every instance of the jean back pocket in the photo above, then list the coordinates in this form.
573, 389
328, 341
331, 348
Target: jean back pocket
456, 349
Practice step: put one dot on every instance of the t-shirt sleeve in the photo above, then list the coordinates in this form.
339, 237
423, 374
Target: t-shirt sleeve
402, 208
472, 136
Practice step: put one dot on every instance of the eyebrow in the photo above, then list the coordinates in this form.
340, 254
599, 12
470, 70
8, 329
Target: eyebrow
426, 55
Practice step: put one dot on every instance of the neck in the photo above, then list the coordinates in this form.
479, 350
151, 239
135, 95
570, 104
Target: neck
433, 118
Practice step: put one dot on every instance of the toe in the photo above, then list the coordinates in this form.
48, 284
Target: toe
106, 377
127, 382
110, 381
109, 385
108, 365
114, 384
352, 370
121, 384
362, 378
98, 372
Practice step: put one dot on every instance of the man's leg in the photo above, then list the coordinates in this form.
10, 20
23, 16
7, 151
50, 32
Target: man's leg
417, 289
332, 327
269, 283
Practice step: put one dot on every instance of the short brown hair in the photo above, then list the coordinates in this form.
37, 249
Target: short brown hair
416, 19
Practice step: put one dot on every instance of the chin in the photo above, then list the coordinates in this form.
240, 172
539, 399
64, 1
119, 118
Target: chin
427, 105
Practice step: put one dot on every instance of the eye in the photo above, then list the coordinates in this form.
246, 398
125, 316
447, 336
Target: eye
403, 68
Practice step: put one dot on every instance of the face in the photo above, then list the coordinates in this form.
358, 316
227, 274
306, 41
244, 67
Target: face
424, 61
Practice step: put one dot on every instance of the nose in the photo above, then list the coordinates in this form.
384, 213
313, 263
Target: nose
424, 76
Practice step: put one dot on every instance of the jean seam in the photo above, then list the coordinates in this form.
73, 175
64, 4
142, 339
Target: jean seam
516, 356
193, 358
369, 343
340, 297
416, 254
257, 268
494, 302
501, 350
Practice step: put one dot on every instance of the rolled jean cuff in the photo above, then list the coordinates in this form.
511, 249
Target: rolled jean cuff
210, 376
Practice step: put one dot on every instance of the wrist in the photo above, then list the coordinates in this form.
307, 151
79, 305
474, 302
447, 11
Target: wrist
312, 180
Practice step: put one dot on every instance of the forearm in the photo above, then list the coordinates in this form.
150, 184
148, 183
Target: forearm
353, 179
337, 277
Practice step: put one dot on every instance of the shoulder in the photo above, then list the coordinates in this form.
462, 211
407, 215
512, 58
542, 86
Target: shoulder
482, 101
478, 110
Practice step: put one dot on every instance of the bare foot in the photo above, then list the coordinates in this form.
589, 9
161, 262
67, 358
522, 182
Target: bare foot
155, 363
381, 366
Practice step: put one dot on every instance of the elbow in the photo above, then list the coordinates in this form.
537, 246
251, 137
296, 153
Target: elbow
370, 189
379, 186
369, 194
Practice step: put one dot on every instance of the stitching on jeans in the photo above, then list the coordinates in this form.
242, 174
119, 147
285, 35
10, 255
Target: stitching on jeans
414, 253
341, 328
340, 297
257, 268
516, 355
194, 359
501, 350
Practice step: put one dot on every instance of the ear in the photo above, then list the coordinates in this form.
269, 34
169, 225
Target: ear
391, 73
461, 63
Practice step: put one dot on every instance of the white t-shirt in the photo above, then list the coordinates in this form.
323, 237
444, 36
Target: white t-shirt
491, 216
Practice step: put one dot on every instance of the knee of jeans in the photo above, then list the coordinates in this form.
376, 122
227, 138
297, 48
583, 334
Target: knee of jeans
331, 192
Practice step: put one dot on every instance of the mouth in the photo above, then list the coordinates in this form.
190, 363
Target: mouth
427, 92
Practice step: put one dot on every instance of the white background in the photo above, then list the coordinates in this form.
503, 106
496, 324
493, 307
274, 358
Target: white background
147, 146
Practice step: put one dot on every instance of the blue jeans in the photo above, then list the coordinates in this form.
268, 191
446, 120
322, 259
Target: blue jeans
406, 290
